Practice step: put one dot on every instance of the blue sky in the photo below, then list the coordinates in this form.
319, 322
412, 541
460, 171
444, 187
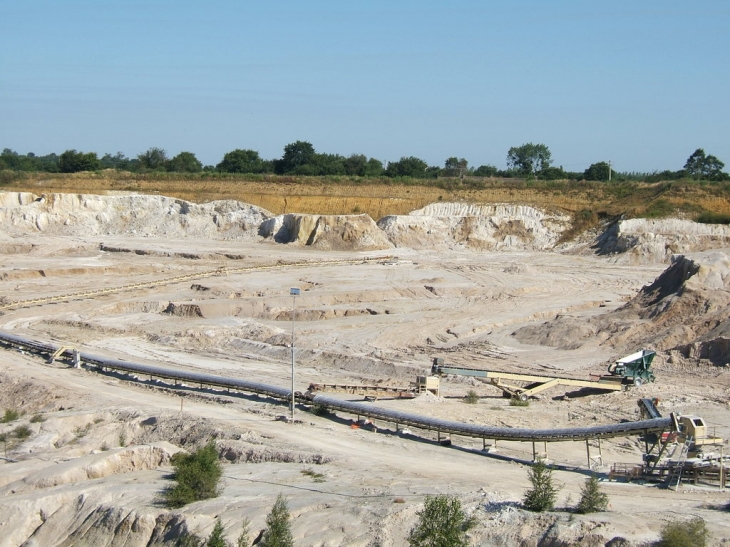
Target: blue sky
640, 83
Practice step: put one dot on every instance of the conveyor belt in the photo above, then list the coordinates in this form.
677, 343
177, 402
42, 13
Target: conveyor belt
625, 429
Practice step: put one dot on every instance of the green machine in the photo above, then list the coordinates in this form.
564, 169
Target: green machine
635, 368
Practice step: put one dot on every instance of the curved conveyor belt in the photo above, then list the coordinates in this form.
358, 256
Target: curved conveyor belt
625, 429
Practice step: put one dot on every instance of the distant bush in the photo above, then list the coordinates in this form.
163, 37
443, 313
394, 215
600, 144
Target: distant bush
684, 534
518, 402
37, 418
197, 476
22, 432
472, 397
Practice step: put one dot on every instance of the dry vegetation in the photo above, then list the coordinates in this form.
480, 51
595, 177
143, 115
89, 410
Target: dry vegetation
381, 197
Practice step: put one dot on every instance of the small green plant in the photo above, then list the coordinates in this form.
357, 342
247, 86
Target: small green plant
318, 477
82, 431
244, 538
188, 539
122, 439
684, 534
197, 476
441, 523
98, 419
472, 397
592, 500
104, 447
542, 495
318, 410
37, 418
22, 432
278, 529
10, 416
519, 402
216, 538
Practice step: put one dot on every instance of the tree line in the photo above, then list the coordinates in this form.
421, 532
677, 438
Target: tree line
528, 161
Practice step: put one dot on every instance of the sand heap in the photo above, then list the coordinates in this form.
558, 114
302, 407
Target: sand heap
687, 308
478, 227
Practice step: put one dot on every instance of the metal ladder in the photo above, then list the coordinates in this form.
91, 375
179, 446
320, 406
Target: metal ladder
679, 467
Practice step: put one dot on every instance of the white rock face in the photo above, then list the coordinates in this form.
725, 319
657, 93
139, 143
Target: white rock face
327, 232
479, 227
151, 216
643, 240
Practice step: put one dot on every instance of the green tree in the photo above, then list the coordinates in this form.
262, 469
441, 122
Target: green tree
592, 500
486, 171
684, 534
72, 161
184, 162
455, 167
117, 161
529, 159
542, 495
695, 164
278, 529
597, 171
197, 476
441, 523
410, 166
154, 159
702, 166
296, 155
241, 161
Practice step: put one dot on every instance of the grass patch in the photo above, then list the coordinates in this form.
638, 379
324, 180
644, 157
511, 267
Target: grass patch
37, 418
518, 402
318, 477
713, 218
10, 416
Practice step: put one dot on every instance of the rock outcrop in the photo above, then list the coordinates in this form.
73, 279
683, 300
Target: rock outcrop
477, 227
326, 232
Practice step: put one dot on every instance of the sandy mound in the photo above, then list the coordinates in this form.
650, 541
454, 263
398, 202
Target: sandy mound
478, 227
326, 232
142, 215
642, 241
687, 308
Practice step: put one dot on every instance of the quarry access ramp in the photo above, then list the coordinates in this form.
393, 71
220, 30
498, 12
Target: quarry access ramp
179, 278
184, 379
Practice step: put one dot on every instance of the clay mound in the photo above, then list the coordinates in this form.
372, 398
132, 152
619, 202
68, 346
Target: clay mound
143, 215
687, 309
478, 227
326, 232
641, 241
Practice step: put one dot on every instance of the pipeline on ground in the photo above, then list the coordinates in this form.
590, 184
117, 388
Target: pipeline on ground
361, 409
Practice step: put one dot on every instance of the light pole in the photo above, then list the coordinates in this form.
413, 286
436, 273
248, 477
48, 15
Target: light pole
294, 292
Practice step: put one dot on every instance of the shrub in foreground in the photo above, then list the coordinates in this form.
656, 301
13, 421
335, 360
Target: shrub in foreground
684, 534
197, 476
542, 495
441, 523
592, 500
278, 529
